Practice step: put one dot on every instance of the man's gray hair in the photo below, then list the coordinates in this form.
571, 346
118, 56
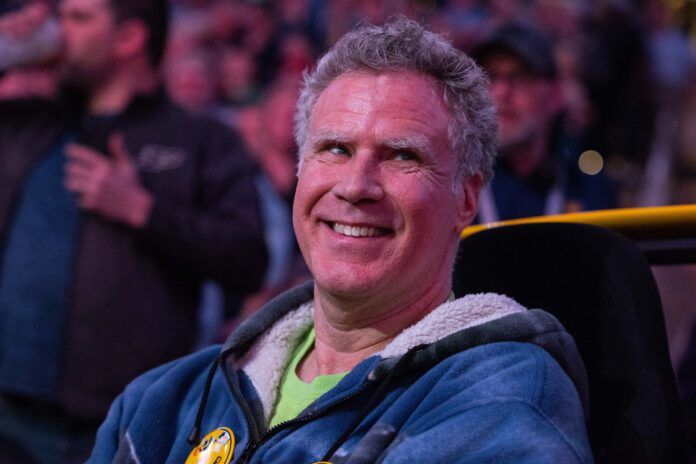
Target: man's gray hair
401, 44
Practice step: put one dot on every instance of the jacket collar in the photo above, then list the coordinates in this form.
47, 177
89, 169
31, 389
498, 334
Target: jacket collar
262, 346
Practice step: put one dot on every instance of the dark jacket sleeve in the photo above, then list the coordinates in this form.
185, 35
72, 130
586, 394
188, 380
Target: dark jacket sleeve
221, 237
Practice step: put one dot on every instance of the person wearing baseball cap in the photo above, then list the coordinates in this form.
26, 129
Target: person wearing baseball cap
538, 171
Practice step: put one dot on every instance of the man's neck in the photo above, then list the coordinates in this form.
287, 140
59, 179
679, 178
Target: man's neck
114, 94
524, 158
346, 334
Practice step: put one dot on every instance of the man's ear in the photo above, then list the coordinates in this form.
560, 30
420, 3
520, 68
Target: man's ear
467, 206
132, 39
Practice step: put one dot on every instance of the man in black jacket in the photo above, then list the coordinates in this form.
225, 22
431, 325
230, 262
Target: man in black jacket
114, 204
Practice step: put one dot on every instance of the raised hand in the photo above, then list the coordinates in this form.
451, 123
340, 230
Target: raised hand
107, 185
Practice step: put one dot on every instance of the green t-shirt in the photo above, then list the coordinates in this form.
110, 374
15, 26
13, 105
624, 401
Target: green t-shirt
294, 395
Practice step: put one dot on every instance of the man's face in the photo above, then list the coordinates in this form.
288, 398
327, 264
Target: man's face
89, 33
375, 211
525, 102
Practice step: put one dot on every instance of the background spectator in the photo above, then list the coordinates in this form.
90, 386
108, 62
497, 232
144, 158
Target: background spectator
538, 171
115, 205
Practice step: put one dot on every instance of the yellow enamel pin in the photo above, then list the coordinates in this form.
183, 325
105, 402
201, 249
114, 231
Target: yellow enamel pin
216, 448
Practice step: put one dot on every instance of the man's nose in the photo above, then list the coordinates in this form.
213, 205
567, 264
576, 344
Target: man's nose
359, 180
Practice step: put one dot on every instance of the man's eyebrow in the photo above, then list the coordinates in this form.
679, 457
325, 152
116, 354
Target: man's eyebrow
416, 143
329, 136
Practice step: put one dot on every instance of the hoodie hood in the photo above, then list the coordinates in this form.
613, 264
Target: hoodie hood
263, 344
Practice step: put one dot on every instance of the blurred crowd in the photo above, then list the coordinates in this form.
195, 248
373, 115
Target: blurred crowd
625, 67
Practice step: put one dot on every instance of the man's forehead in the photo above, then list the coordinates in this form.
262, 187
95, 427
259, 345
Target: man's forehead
356, 91
369, 77
396, 110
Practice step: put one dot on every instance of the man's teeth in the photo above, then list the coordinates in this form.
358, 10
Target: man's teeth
351, 231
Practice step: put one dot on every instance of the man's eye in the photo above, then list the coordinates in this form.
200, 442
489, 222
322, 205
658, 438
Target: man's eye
337, 149
405, 155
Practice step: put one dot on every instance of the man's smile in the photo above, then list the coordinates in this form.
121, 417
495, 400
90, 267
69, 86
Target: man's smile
357, 230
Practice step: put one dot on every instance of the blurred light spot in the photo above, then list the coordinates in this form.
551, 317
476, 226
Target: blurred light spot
591, 162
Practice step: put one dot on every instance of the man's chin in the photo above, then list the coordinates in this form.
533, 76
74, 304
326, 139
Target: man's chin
349, 287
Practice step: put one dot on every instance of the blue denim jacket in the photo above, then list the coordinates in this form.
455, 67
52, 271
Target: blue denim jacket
508, 387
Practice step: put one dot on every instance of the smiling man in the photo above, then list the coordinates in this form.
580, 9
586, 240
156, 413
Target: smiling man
375, 360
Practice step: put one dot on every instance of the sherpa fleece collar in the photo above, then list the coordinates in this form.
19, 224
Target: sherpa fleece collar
265, 362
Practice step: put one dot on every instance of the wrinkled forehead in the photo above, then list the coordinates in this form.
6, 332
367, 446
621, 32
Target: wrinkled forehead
350, 89
411, 103
393, 74
403, 96
384, 113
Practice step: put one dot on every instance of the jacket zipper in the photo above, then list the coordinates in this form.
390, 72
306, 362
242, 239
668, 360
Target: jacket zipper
253, 430
254, 444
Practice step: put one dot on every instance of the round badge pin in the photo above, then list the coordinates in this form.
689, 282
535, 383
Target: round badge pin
215, 448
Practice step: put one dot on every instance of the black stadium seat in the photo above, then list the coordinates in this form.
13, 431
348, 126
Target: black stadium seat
599, 285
